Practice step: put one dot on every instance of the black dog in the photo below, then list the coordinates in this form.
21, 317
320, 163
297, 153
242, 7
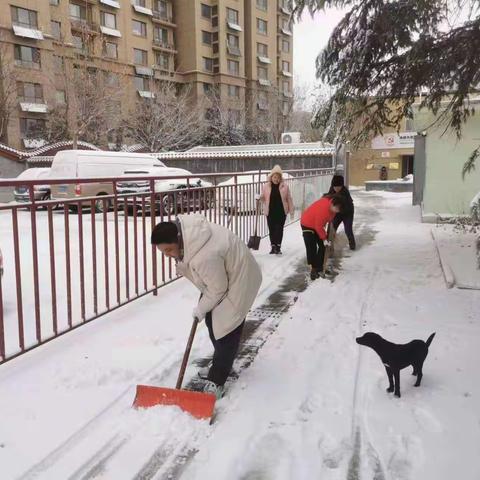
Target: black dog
396, 357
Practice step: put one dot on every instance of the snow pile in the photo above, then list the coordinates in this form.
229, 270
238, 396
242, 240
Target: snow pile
458, 256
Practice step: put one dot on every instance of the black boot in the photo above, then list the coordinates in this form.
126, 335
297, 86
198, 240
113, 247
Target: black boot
352, 246
273, 250
278, 251
314, 274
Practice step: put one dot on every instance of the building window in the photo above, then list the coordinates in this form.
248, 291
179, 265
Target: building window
286, 108
262, 73
234, 91
28, 57
77, 42
207, 88
233, 67
140, 3
108, 20
60, 97
140, 57
30, 92
261, 26
285, 46
160, 35
141, 84
207, 37
162, 60
286, 24
232, 16
139, 28
161, 7
262, 50
285, 66
56, 28
233, 41
206, 11
58, 63
262, 4
286, 86
235, 117
112, 79
24, 17
208, 64
54, 2
31, 127
110, 50
78, 12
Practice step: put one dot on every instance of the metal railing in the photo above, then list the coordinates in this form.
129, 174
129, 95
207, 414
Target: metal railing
68, 261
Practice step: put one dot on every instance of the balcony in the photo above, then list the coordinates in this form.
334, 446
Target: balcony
233, 50
159, 44
234, 26
33, 105
111, 3
143, 70
143, 10
286, 31
81, 25
27, 31
112, 32
163, 18
264, 60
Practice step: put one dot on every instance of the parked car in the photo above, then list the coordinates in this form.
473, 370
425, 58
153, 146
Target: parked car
172, 195
303, 193
40, 192
72, 164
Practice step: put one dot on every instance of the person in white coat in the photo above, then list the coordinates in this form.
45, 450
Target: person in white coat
221, 266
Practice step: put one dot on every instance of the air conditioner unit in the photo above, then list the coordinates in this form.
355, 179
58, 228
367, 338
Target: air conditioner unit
291, 137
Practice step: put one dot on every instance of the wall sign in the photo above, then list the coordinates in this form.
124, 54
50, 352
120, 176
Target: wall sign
394, 140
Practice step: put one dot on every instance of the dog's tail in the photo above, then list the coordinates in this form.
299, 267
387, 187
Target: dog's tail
430, 338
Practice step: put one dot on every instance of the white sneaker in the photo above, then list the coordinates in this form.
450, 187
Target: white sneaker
203, 372
212, 387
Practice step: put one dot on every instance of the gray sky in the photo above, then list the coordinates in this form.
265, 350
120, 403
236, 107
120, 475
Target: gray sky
310, 36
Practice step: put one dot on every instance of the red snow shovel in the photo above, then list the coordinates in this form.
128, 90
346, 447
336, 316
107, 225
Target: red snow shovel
198, 404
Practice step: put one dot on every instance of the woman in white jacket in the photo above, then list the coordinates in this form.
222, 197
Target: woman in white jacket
221, 266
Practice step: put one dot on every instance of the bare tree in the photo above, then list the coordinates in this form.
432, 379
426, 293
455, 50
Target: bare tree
87, 103
225, 125
268, 111
168, 119
8, 90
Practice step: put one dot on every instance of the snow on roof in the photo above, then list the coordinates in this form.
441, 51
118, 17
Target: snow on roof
256, 151
38, 152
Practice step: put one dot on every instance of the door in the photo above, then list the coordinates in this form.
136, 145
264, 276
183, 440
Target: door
407, 165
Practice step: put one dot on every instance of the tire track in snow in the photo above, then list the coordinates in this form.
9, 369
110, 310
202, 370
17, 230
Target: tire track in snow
81, 434
363, 447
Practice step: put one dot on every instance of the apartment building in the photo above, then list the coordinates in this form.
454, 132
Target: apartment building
241, 49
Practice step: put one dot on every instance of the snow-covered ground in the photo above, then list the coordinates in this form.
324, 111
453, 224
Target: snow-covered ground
459, 256
311, 405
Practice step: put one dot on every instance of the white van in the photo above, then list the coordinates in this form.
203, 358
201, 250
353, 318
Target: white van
71, 164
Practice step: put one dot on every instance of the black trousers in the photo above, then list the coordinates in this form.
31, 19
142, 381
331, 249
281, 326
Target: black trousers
347, 225
225, 350
275, 229
315, 248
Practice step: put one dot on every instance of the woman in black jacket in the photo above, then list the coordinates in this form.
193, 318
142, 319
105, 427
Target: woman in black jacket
338, 187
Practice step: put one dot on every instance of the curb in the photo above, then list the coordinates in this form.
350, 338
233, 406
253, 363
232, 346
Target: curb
447, 271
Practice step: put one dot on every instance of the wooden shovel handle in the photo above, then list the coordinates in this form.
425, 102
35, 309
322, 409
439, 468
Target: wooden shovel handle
186, 355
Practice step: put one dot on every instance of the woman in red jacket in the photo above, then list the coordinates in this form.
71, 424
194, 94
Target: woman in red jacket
277, 204
314, 220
